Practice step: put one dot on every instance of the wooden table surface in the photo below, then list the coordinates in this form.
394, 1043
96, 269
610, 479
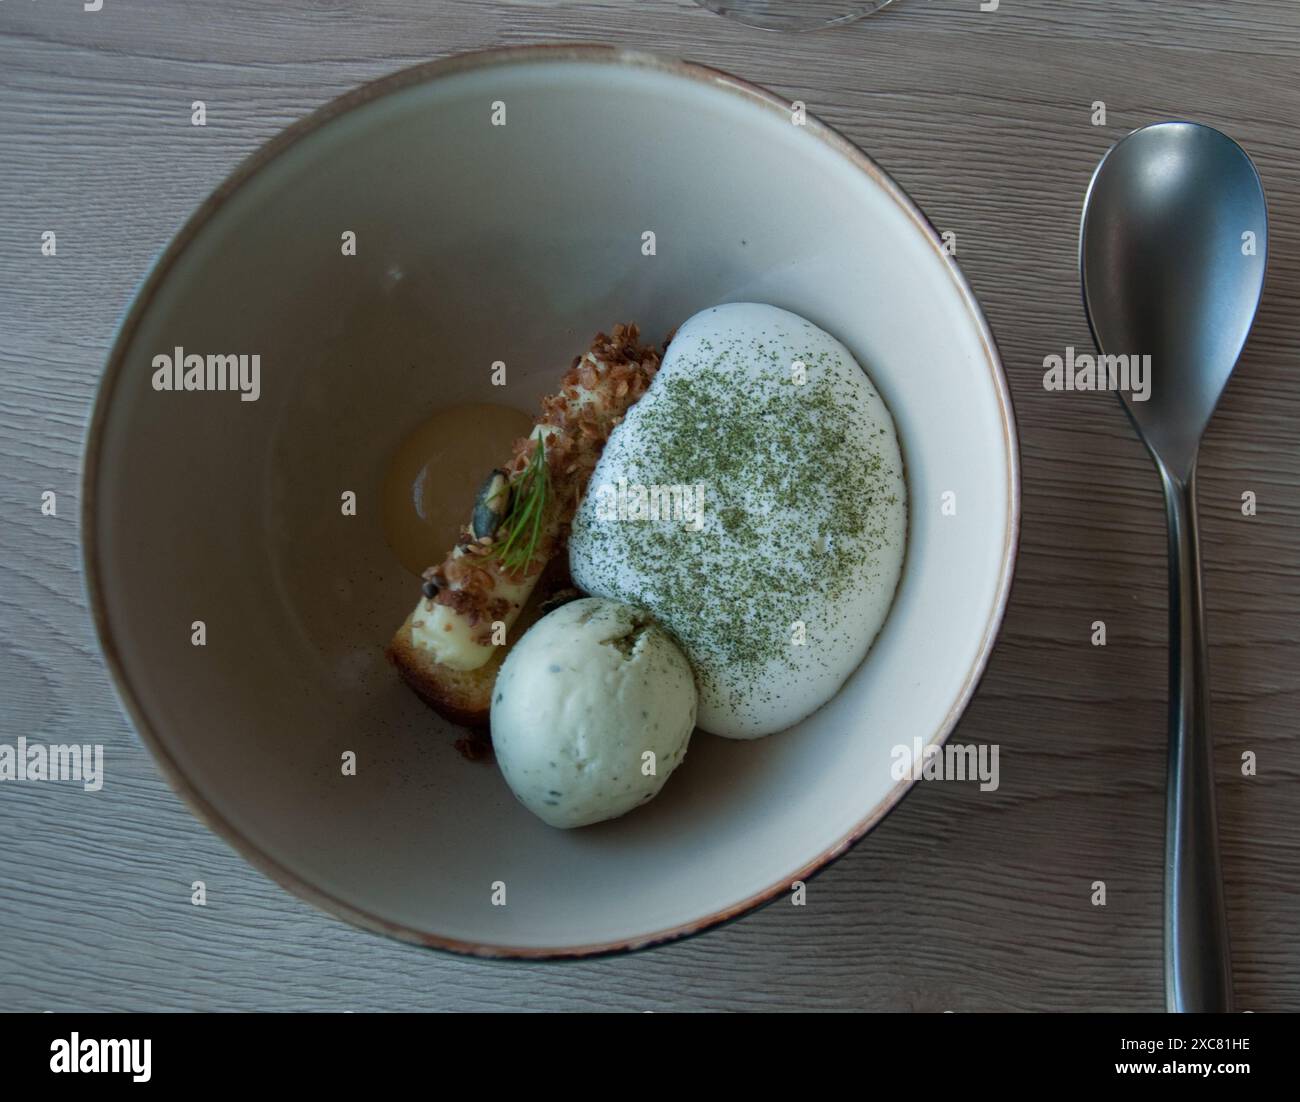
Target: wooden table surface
960, 900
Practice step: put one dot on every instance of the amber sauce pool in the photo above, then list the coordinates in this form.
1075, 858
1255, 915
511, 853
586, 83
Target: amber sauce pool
429, 490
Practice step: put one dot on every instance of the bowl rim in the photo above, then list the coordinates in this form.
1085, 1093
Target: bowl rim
141, 301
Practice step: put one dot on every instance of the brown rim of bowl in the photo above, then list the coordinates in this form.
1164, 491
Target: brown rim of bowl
394, 82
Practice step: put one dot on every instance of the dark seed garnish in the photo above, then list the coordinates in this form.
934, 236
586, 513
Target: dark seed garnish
491, 504
432, 581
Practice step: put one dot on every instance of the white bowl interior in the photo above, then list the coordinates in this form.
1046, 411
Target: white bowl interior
479, 243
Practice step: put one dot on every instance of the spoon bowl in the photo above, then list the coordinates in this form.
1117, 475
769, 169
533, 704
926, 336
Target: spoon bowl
1173, 254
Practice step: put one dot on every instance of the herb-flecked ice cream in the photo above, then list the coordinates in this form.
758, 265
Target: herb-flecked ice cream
592, 711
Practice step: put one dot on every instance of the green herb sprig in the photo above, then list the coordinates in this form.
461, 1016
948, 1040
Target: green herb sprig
526, 512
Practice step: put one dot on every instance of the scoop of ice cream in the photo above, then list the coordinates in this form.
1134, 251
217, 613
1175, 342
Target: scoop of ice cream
592, 710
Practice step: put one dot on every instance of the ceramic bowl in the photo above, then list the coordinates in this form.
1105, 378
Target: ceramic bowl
479, 242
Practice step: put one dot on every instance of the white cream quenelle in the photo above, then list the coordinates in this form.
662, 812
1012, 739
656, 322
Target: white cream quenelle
592, 711
753, 502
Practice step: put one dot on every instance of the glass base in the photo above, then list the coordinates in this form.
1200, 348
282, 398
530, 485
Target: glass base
794, 15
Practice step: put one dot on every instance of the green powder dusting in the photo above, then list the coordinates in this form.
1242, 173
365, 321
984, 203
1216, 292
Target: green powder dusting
801, 497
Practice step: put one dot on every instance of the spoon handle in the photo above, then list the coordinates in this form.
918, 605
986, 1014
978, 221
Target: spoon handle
1198, 968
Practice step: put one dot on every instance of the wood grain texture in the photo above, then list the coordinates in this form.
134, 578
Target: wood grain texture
959, 900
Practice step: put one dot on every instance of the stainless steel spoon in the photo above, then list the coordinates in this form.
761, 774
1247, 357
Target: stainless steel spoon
1172, 251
